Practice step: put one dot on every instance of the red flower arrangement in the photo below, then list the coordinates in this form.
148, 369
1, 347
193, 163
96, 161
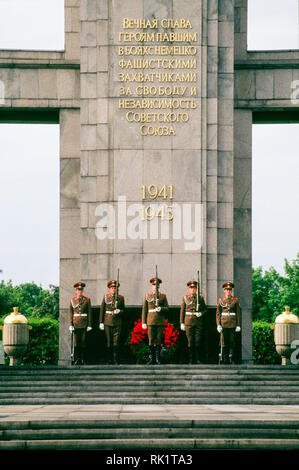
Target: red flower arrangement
139, 341
138, 334
170, 335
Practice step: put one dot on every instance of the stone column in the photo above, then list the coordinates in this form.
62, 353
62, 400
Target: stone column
242, 223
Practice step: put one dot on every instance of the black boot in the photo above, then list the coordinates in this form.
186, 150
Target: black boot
225, 352
158, 351
76, 356
198, 361
78, 360
109, 356
115, 356
190, 353
232, 356
151, 355
83, 357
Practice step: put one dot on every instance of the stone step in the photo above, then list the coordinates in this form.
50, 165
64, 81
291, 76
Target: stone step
73, 424
186, 387
169, 369
149, 434
157, 374
186, 382
152, 444
156, 393
149, 385
133, 400
159, 381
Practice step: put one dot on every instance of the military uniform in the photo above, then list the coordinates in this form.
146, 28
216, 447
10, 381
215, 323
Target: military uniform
80, 322
228, 320
111, 316
153, 315
192, 316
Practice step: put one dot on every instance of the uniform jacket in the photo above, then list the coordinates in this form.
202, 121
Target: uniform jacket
189, 304
108, 306
80, 312
149, 303
228, 313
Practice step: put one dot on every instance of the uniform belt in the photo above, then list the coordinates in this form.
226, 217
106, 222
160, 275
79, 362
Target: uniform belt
152, 310
228, 313
192, 313
80, 314
111, 312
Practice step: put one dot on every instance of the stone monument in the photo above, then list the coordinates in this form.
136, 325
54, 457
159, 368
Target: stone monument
155, 101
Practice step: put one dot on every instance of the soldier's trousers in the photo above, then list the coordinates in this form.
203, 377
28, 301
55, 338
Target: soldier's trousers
228, 338
80, 340
155, 333
112, 335
194, 336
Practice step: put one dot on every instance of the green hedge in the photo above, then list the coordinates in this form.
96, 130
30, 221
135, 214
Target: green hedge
263, 346
43, 344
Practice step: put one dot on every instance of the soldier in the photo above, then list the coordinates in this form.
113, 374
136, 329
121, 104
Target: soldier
154, 309
111, 316
79, 321
228, 320
192, 320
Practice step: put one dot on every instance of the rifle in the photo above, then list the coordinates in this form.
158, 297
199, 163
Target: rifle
220, 353
157, 288
117, 289
198, 292
72, 348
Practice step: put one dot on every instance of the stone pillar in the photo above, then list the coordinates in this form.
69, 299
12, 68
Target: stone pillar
70, 235
242, 223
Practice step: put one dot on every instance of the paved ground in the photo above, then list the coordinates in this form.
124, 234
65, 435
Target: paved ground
153, 412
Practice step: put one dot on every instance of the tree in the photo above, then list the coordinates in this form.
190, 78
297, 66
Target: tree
271, 292
291, 285
31, 299
50, 304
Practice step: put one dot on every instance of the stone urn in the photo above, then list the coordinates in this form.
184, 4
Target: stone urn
286, 330
15, 336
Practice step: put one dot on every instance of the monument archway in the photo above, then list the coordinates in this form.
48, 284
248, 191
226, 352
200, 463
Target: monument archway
153, 94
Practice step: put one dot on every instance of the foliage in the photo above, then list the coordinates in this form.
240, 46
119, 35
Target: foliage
31, 299
139, 342
271, 292
43, 342
290, 294
263, 345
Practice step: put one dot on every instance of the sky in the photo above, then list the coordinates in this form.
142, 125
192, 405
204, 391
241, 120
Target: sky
29, 192
29, 154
